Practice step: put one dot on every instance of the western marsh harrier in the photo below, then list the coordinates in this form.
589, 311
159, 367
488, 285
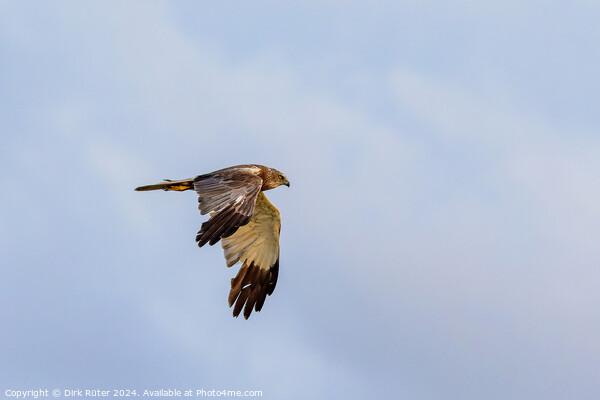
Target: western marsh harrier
246, 223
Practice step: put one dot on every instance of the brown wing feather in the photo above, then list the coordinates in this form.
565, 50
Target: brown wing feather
256, 245
229, 195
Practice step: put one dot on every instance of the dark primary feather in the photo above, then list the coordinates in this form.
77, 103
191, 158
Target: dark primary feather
250, 288
223, 224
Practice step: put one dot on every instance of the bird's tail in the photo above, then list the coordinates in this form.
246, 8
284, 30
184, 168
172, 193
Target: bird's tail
185, 184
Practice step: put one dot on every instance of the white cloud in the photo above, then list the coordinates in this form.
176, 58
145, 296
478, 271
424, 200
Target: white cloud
521, 251
550, 170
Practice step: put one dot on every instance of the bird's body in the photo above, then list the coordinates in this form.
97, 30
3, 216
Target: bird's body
245, 221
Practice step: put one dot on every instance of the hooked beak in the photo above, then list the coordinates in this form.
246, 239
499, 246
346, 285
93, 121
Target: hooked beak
287, 183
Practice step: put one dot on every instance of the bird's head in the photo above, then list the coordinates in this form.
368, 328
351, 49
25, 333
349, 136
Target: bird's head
276, 178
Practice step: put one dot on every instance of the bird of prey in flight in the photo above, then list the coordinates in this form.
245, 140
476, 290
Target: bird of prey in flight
246, 223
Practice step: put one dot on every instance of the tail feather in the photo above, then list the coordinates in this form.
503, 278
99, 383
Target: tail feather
185, 184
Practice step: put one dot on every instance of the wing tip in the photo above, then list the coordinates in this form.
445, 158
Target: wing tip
250, 288
223, 224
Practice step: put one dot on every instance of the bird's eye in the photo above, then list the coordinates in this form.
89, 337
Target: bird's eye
281, 177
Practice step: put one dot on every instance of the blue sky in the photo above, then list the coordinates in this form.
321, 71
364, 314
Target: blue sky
439, 239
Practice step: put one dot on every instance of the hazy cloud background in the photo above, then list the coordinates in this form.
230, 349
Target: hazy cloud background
439, 239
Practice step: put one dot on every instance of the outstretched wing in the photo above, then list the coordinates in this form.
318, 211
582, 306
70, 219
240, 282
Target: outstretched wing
229, 195
256, 245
